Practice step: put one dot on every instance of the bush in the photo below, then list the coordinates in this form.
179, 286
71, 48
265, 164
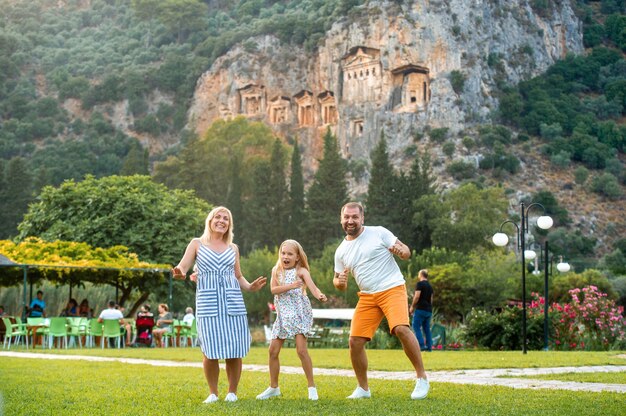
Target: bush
503, 331
460, 170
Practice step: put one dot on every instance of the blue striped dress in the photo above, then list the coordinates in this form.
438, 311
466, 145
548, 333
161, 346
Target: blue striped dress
222, 320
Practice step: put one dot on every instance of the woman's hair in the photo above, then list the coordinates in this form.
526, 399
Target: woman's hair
423, 272
84, 302
189, 309
147, 307
164, 306
302, 259
228, 236
73, 302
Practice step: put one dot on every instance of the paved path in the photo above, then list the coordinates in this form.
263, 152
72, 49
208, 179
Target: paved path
492, 377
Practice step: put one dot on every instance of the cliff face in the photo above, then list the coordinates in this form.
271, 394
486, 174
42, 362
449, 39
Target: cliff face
387, 70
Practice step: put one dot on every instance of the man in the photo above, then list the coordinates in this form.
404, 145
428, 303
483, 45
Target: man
112, 312
368, 253
37, 307
422, 310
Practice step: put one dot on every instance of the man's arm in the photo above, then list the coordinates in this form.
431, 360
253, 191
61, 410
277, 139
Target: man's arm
401, 250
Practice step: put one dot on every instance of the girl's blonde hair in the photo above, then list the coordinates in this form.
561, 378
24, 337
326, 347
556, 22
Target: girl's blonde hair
228, 235
302, 260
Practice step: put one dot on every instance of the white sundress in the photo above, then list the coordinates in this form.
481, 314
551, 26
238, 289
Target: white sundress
293, 311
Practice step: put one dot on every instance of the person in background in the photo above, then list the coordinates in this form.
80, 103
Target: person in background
71, 309
84, 311
144, 311
163, 324
37, 307
189, 317
2, 312
422, 310
112, 313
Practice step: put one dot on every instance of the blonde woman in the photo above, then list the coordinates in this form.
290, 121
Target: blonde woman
290, 278
220, 312
163, 324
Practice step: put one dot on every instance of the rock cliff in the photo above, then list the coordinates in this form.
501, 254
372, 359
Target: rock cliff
388, 68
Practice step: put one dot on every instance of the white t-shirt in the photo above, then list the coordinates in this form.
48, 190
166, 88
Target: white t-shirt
370, 261
188, 319
111, 314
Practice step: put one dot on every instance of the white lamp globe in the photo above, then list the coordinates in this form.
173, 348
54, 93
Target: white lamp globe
530, 254
500, 239
563, 267
544, 222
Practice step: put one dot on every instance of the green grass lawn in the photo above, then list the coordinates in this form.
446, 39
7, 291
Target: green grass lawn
50, 387
389, 360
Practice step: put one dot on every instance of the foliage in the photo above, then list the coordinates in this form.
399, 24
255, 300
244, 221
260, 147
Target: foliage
325, 197
606, 185
502, 330
461, 170
589, 321
258, 263
152, 221
457, 80
296, 216
76, 263
563, 283
381, 199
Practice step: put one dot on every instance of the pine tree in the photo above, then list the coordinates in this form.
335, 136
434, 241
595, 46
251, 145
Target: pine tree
278, 195
257, 210
234, 202
136, 161
418, 204
381, 191
296, 218
325, 198
17, 193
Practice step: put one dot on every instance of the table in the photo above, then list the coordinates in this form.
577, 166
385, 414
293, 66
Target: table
33, 330
178, 328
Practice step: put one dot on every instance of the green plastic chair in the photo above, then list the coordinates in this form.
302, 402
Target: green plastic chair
14, 331
57, 329
171, 334
185, 332
94, 329
76, 330
193, 333
111, 329
42, 332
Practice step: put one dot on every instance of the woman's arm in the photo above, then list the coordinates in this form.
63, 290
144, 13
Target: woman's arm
276, 288
306, 278
243, 283
180, 271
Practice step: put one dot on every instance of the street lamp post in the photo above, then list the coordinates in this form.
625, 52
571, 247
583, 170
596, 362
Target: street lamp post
562, 267
500, 239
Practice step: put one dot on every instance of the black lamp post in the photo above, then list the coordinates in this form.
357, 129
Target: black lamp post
500, 239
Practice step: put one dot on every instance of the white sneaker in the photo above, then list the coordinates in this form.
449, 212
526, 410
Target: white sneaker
359, 393
421, 389
313, 393
230, 397
211, 399
269, 392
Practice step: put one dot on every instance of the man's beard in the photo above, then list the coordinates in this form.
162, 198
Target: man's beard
352, 231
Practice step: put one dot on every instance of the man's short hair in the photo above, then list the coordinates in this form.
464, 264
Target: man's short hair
353, 204
111, 304
39, 292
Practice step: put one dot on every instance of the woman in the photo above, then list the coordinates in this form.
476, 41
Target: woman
220, 312
84, 310
163, 324
71, 309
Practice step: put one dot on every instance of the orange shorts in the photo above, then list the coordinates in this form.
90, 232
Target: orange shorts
371, 308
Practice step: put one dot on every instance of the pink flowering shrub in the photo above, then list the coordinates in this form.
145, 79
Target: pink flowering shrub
590, 321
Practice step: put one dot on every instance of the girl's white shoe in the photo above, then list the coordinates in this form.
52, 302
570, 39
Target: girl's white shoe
269, 392
313, 393
211, 399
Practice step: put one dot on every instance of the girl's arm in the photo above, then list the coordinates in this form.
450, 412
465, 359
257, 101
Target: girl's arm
306, 278
276, 288
243, 283
180, 271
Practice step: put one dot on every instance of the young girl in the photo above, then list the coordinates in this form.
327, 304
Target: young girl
290, 278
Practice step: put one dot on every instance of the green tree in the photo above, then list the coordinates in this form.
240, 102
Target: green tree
278, 195
325, 198
418, 204
297, 217
234, 200
136, 161
182, 17
258, 218
381, 191
149, 219
15, 194
469, 215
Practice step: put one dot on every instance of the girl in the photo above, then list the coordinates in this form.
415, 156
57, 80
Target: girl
290, 278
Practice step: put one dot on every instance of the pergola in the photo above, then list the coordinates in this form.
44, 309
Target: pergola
13, 274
